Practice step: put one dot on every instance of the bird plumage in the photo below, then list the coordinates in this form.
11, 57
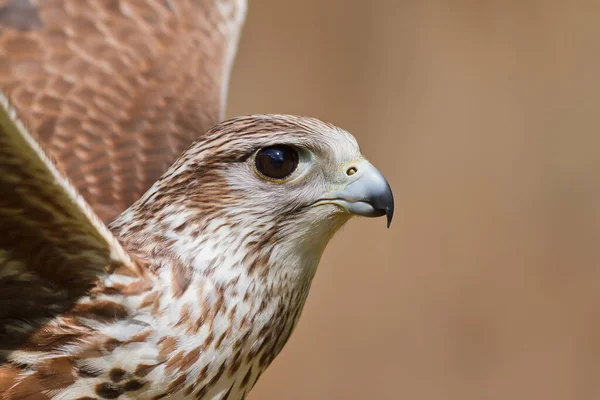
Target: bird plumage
117, 89
197, 285
217, 269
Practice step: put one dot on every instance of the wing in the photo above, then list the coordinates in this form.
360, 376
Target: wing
52, 246
117, 89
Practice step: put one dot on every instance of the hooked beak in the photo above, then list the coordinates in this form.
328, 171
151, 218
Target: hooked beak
368, 194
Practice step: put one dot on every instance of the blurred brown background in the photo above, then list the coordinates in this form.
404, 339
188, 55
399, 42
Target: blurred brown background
484, 117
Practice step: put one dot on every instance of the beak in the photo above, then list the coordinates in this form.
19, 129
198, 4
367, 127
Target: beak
368, 194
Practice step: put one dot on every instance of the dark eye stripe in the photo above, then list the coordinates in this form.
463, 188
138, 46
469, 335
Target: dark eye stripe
276, 162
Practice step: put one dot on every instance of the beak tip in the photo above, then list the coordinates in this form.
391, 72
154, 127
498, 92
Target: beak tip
390, 215
389, 208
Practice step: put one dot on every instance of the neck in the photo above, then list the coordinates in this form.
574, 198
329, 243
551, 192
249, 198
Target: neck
224, 247
231, 287
254, 275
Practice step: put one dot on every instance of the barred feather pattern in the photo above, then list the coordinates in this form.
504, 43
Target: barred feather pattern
200, 282
226, 275
117, 89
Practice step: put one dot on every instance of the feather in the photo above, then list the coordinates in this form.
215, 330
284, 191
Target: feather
53, 248
196, 286
116, 90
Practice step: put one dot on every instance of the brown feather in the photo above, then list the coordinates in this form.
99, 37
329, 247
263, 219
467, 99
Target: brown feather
80, 319
52, 251
116, 90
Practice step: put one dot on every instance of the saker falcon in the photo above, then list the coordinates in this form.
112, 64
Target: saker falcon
196, 286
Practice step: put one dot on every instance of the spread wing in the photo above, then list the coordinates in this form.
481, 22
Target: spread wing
117, 89
52, 246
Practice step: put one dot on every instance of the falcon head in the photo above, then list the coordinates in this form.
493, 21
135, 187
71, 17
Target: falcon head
269, 181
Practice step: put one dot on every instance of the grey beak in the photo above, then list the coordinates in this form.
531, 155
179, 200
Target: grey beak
368, 195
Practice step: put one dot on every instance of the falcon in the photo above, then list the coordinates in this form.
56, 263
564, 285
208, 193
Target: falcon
197, 283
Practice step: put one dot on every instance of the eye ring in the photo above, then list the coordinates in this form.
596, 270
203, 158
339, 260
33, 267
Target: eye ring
276, 163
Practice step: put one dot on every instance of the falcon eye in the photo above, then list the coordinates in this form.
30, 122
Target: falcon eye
276, 162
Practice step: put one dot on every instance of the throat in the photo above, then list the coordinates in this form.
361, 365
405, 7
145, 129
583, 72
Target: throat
241, 293
230, 294
227, 291
239, 316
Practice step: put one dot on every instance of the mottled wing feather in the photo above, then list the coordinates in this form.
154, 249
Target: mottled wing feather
117, 89
52, 246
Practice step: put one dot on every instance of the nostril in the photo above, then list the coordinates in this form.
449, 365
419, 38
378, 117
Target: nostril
351, 171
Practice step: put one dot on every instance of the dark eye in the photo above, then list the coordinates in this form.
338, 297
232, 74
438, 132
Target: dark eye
276, 162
